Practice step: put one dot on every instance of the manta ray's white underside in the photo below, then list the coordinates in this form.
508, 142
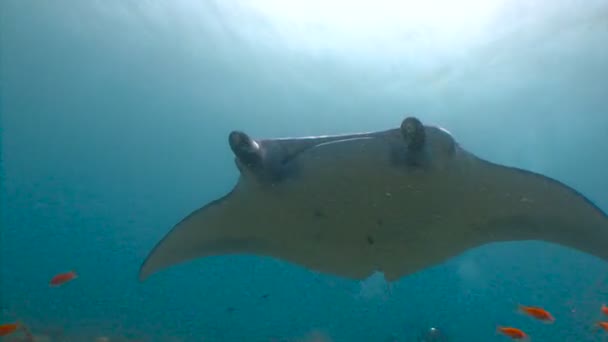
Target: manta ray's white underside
382, 201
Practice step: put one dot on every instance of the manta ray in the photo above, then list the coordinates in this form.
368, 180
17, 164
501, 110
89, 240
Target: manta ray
395, 201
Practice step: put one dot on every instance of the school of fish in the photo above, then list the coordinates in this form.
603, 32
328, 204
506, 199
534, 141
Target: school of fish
514, 333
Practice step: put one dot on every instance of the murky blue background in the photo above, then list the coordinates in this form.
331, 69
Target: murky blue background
115, 116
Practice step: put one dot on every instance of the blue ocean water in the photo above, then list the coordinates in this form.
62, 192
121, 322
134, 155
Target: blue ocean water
115, 117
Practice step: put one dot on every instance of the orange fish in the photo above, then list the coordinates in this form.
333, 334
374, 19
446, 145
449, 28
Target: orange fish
605, 309
63, 278
538, 313
603, 325
513, 333
9, 328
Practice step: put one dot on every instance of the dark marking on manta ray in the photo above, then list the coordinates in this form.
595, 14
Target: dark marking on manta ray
318, 213
370, 240
268, 212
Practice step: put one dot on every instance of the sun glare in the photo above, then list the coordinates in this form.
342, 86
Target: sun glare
319, 22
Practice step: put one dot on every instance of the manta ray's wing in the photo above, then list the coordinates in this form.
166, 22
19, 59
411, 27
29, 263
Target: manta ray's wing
523, 205
196, 235
474, 202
